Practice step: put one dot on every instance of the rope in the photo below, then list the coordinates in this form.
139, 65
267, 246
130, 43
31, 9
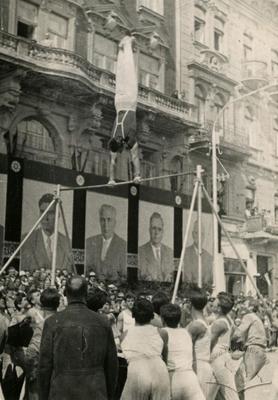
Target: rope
105, 185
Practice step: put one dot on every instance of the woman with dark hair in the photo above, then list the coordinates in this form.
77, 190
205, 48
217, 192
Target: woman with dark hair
184, 381
145, 348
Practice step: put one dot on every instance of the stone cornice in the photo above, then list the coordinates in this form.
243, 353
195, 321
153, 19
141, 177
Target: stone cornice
65, 64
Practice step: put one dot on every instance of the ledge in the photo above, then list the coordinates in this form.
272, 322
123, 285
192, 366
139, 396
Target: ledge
61, 62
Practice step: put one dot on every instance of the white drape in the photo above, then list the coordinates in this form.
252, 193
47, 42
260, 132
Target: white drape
126, 77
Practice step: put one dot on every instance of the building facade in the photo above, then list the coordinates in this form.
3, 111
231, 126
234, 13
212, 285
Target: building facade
57, 81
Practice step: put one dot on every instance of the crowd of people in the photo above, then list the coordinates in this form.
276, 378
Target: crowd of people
135, 345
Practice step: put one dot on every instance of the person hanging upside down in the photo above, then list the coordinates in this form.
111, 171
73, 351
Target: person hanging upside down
124, 129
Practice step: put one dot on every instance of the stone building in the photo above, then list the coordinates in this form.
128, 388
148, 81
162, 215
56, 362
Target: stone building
57, 79
228, 49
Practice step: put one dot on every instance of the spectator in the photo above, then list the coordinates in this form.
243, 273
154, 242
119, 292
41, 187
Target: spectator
91, 365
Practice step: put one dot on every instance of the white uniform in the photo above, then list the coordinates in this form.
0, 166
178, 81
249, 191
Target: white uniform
147, 375
184, 382
204, 370
220, 359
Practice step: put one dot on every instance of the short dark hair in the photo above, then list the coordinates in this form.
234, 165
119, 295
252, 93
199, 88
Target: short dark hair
46, 198
226, 302
18, 300
142, 311
30, 295
171, 314
156, 215
159, 299
76, 287
96, 299
198, 298
50, 299
130, 295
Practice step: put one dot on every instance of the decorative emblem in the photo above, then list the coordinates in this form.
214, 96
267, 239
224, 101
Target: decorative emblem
133, 190
15, 166
80, 180
178, 200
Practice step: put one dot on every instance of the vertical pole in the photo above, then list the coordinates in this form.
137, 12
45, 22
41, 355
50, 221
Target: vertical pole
185, 241
218, 219
199, 173
214, 200
68, 238
54, 256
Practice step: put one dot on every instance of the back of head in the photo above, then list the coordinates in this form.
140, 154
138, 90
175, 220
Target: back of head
198, 298
142, 311
253, 304
159, 299
76, 288
96, 299
225, 302
50, 299
171, 314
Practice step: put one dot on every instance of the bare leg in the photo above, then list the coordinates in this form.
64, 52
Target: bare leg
113, 158
136, 162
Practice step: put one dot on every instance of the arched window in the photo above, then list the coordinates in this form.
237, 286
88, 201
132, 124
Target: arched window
35, 142
200, 102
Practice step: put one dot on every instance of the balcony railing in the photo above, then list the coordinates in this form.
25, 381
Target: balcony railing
254, 73
65, 61
227, 134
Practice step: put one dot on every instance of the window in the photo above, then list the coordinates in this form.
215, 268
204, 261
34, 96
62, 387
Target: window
149, 68
105, 53
154, 5
218, 34
33, 136
274, 62
247, 47
250, 126
27, 19
25, 30
200, 102
235, 276
219, 103
199, 25
58, 29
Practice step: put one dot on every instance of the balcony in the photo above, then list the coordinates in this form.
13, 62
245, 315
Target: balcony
260, 228
65, 63
254, 74
233, 140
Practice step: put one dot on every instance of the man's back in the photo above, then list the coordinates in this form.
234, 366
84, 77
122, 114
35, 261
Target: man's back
78, 357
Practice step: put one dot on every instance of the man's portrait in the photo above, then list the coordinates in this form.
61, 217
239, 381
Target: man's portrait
106, 251
190, 272
37, 252
155, 257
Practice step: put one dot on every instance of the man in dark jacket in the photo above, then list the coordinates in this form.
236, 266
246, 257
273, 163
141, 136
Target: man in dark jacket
78, 357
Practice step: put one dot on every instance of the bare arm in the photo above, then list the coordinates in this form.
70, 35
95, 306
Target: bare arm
218, 329
164, 336
120, 323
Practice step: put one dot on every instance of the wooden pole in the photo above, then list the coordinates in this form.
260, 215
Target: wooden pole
185, 241
56, 226
199, 173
